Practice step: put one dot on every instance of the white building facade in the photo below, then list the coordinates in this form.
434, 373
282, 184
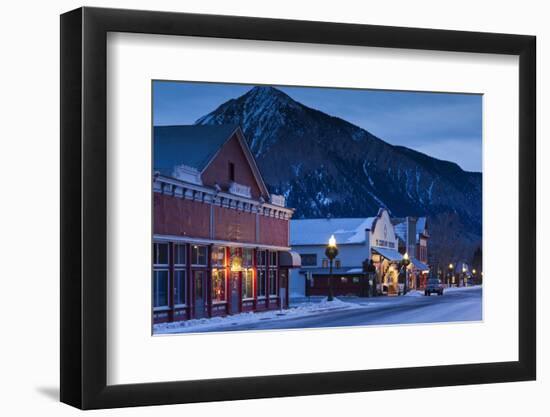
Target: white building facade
359, 241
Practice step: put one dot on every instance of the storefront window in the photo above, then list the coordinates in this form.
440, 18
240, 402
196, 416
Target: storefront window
272, 282
198, 255
337, 263
272, 258
218, 285
247, 257
261, 282
160, 253
309, 259
260, 258
248, 284
180, 254
218, 256
160, 288
325, 263
179, 286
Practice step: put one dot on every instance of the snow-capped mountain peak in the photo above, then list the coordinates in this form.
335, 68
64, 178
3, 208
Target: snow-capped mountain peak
326, 166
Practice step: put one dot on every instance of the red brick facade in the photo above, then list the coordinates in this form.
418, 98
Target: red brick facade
196, 221
180, 217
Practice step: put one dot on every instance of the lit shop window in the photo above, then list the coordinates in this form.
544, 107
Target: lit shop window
179, 286
248, 284
261, 282
272, 282
337, 263
198, 255
218, 256
160, 288
180, 254
325, 263
218, 285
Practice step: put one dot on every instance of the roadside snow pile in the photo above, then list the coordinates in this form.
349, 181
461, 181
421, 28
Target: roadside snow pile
301, 310
456, 289
414, 293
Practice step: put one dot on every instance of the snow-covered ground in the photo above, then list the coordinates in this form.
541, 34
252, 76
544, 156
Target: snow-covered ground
320, 305
457, 304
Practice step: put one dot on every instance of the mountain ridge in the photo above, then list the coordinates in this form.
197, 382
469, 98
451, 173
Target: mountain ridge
327, 166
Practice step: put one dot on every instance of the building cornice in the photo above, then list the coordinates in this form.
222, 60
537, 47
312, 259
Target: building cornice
205, 241
204, 194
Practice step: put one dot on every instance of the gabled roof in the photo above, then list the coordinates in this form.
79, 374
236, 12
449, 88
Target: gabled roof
318, 231
193, 146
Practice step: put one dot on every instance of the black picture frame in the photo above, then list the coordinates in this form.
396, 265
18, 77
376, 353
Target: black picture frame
84, 207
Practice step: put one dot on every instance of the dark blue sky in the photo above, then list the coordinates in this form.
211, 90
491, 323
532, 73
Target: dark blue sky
445, 126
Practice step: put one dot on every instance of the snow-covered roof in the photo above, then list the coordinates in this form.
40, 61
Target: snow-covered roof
400, 230
192, 146
419, 265
318, 231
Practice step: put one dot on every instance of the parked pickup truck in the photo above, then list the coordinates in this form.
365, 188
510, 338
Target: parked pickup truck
433, 286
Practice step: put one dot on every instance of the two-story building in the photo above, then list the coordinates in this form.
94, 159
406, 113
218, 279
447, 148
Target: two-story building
221, 240
412, 233
358, 240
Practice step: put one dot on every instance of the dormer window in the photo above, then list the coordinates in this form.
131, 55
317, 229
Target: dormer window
231, 171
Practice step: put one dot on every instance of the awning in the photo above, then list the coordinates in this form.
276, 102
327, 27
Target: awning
420, 265
389, 254
290, 259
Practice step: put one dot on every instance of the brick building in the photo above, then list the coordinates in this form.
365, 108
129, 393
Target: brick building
221, 240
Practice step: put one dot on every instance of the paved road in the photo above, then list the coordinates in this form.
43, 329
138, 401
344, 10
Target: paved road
462, 305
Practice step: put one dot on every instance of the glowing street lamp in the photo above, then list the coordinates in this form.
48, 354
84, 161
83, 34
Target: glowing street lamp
451, 266
331, 252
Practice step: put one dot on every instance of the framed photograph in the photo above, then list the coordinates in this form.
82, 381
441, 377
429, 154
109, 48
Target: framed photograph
256, 208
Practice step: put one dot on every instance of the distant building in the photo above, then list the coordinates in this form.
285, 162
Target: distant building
359, 240
413, 236
221, 241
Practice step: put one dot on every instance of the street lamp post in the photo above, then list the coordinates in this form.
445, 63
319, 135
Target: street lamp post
406, 263
331, 252
463, 275
449, 281
474, 276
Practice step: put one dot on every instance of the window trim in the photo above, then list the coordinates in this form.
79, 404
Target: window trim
178, 269
167, 306
225, 257
167, 264
276, 283
176, 245
314, 255
259, 296
217, 302
243, 285
205, 265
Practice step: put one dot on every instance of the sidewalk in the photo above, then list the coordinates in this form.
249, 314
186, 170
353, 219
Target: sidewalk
320, 305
